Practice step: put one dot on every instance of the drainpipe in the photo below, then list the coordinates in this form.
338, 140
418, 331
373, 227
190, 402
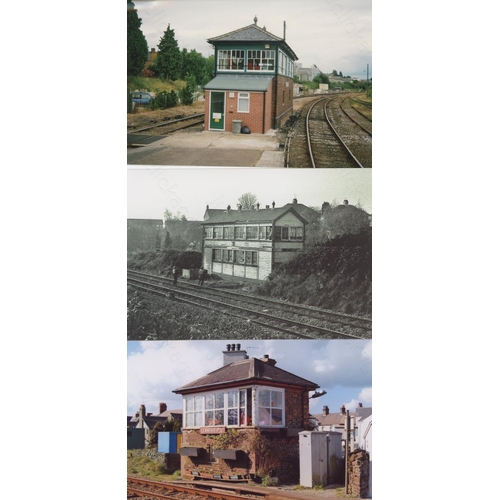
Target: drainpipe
347, 446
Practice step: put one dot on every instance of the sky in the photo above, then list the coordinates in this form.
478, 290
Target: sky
332, 34
342, 368
189, 190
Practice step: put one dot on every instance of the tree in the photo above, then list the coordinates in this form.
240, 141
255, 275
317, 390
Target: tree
137, 46
186, 94
334, 73
193, 64
344, 219
169, 59
321, 78
247, 201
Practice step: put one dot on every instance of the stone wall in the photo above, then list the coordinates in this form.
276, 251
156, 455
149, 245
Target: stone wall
359, 473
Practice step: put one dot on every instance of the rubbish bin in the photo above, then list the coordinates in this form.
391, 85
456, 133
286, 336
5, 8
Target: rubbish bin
236, 126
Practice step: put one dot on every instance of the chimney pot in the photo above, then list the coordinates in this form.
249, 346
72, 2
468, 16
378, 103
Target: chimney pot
238, 347
274, 204
326, 410
267, 206
342, 409
346, 202
360, 405
233, 346
295, 201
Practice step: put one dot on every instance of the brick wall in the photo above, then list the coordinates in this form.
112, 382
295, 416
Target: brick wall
248, 463
284, 100
358, 473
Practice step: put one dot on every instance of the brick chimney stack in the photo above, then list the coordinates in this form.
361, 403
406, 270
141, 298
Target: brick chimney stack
233, 353
268, 360
342, 409
162, 407
326, 411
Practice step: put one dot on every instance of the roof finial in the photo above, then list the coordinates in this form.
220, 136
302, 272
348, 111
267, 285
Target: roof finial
255, 20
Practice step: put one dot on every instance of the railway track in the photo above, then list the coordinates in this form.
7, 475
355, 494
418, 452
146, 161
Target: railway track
137, 487
327, 137
294, 320
136, 137
203, 489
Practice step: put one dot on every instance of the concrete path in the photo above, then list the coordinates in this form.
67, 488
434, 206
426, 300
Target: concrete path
211, 149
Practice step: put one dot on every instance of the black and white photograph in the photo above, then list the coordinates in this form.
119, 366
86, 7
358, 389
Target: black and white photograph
212, 257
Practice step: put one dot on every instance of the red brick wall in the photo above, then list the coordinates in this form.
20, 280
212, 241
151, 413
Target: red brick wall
284, 100
255, 120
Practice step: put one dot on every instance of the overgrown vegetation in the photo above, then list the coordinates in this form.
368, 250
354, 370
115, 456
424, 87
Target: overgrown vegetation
162, 262
336, 274
149, 464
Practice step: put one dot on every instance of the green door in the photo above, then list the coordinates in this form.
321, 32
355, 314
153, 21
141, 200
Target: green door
217, 110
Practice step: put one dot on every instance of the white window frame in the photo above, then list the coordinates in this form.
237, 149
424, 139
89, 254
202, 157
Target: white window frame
242, 97
261, 410
230, 55
202, 415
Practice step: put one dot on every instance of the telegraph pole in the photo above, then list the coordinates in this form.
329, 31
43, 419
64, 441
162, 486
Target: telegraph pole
347, 447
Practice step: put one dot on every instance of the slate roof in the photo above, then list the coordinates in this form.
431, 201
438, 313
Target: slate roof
251, 370
337, 419
250, 33
307, 213
243, 82
242, 216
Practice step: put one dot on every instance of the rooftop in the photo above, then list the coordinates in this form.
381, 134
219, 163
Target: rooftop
251, 370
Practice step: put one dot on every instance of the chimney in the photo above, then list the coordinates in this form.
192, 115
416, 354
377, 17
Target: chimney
295, 201
239, 207
255, 20
346, 202
273, 204
268, 360
360, 405
162, 407
229, 208
267, 206
326, 411
233, 353
342, 409
258, 206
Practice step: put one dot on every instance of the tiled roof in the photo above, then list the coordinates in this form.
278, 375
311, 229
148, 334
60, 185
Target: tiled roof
250, 33
307, 213
256, 83
330, 419
243, 372
363, 412
242, 216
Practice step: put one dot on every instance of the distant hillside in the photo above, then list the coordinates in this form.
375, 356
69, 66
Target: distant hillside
336, 274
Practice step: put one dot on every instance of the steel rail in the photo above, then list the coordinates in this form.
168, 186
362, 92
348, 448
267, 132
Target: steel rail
352, 119
296, 308
338, 136
308, 134
135, 281
164, 124
225, 313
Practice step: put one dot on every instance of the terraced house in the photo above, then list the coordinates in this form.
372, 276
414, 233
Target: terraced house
249, 243
243, 420
253, 84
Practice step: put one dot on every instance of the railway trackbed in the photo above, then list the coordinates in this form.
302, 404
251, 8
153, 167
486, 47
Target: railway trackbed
137, 137
294, 320
329, 136
203, 489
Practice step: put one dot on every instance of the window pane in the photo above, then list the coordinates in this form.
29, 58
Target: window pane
189, 419
276, 399
264, 416
198, 419
198, 403
264, 397
232, 417
190, 403
219, 417
232, 399
219, 400
242, 399
209, 418
209, 402
277, 416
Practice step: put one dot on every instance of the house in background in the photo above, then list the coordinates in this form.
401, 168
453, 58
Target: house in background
249, 243
253, 84
147, 421
244, 419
